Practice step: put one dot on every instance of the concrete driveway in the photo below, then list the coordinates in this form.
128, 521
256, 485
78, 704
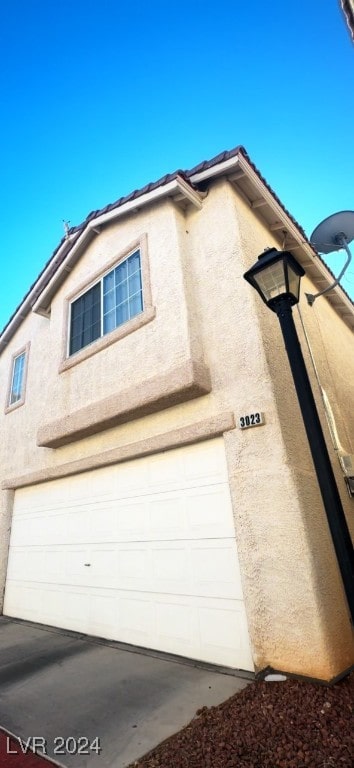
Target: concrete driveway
82, 694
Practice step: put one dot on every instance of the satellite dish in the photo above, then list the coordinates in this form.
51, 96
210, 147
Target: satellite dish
332, 234
329, 235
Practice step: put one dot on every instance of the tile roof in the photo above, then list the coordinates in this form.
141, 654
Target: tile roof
74, 232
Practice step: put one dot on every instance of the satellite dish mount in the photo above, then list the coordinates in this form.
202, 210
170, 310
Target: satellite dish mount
332, 234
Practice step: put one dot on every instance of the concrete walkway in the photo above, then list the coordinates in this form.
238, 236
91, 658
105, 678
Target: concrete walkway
70, 690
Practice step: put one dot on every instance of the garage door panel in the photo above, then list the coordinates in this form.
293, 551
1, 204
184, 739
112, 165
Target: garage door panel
173, 568
103, 568
163, 518
103, 613
179, 625
224, 627
170, 564
215, 570
62, 606
143, 552
74, 568
47, 528
209, 512
189, 626
189, 468
28, 597
27, 530
199, 514
136, 619
179, 568
73, 604
133, 566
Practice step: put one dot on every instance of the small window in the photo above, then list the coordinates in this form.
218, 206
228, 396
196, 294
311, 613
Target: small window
16, 394
112, 301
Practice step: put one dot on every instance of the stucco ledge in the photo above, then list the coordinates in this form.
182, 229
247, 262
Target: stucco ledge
185, 382
192, 433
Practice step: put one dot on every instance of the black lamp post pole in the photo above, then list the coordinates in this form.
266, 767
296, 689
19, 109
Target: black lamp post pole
325, 476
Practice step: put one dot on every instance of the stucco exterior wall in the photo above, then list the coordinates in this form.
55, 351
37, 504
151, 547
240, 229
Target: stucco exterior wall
304, 585
206, 313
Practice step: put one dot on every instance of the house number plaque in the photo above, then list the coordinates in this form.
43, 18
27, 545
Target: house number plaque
251, 420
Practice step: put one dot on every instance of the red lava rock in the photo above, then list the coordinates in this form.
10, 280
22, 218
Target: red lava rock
287, 724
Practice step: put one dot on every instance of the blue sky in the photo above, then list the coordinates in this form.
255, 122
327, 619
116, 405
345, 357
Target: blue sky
98, 98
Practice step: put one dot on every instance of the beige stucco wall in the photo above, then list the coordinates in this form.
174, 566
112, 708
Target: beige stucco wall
307, 619
205, 312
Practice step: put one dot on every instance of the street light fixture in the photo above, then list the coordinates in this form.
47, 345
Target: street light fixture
276, 277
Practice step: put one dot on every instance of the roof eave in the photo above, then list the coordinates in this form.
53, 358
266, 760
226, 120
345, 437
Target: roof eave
240, 167
178, 188
294, 239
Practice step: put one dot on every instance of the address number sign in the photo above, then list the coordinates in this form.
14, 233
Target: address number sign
251, 420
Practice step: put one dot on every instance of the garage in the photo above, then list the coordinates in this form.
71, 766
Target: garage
142, 552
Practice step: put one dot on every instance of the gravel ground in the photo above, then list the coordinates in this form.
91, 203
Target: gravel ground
288, 724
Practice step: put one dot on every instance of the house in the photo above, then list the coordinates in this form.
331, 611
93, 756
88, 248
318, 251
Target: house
139, 510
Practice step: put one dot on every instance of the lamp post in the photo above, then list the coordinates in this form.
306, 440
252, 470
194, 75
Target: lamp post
276, 277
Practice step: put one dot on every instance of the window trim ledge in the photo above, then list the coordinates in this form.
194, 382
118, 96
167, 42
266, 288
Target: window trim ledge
110, 338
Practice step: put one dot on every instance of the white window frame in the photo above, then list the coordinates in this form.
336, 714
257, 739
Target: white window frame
100, 282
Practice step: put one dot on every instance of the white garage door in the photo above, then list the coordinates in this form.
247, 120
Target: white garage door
143, 552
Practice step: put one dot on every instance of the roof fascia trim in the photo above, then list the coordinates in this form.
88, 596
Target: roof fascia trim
216, 170
177, 185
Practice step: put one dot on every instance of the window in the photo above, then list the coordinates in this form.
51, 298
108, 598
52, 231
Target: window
112, 303
17, 378
17, 384
116, 298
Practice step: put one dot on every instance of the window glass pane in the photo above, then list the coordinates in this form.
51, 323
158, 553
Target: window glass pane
76, 325
109, 301
108, 282
134, 283
91, 334
121, 272
96, 310
85, 319
122, 292
134, 262
77, 309
136, 304
91, 298
86, 337
122, 313
75, 344
17, 379
109, 322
